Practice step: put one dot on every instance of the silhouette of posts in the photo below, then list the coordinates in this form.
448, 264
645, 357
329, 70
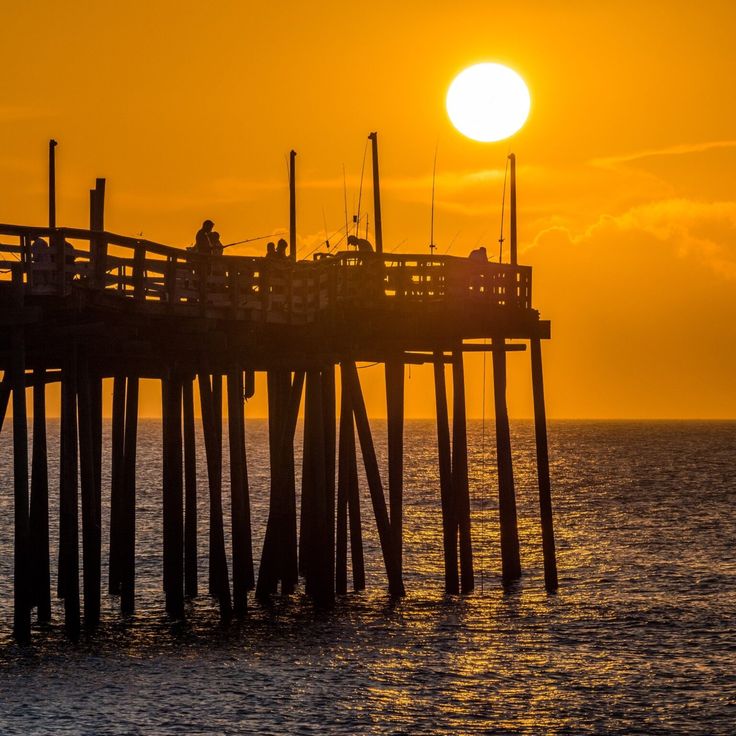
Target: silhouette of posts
240, 516
373, 477
460, 487
219, 584
173, 496
190, 491
117, 480
128, 515
292, 205
449, 516
545, 493
348, 500
377, 223
510, 559
68, 500
22, 550
39, 514
394, 371
317, 528
91, 552
279, 557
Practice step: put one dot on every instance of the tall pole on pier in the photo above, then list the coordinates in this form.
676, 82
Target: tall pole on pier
292, 206
512, 226
52, 183
376, 195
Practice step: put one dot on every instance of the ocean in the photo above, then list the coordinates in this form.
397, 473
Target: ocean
639, 639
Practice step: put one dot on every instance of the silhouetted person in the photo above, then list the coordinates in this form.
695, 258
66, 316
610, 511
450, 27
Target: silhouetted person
41, 256
479, 255
281, 247
271, 250
216, 246
363, 245
202, 241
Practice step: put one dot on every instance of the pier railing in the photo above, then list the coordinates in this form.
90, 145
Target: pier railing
142, 270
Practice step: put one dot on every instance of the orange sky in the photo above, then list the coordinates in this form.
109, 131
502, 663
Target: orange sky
626, 196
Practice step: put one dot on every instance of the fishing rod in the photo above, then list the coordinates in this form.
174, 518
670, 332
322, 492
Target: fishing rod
247, 240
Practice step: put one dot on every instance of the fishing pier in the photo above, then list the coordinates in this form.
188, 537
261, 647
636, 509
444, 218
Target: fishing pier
104, 307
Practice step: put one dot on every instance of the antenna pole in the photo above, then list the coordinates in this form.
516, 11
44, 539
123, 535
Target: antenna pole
512, 219
432, 246
376, 196
52, 183
292, 206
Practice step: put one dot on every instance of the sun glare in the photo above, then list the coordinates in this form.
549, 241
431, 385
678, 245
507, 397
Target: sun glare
488, 102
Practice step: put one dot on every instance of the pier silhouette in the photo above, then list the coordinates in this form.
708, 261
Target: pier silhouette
83, 306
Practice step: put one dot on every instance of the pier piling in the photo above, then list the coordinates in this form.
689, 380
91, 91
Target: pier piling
39, 512
545, 493
510, 559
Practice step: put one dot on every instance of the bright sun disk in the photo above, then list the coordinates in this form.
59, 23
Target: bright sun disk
488, 102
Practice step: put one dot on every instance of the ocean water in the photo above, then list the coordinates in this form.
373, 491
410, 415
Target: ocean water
640, 638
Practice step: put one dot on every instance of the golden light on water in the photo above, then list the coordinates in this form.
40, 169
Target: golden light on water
488, 102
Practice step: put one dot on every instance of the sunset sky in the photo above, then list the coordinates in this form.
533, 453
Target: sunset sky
626, 164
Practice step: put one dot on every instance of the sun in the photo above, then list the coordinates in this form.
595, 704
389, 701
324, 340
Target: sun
488, 102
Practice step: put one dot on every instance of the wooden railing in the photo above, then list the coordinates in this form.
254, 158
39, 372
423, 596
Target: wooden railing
142, 270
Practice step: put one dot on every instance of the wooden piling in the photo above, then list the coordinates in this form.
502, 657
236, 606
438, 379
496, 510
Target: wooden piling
449, 517
117, 482
22, 552
348, 500
39, 515
128, 515
276, 540
190, 492
545, 492
173, 497
219, 583
460, 486
91, 552
68, 501
394, 370
241, 541
329, 418
510, 559
289, 548
373, 477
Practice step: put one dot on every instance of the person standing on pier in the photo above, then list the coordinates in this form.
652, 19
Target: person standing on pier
203, 239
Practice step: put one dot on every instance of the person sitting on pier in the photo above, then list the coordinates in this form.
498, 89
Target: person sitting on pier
202, 241
363, 245
271, 250
281, 247
41, 259
216, 246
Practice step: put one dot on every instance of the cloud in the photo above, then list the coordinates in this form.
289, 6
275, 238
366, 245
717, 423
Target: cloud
703, 230
613, 162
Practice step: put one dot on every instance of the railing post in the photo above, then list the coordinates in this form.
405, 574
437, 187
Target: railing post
98, 244
139, 273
